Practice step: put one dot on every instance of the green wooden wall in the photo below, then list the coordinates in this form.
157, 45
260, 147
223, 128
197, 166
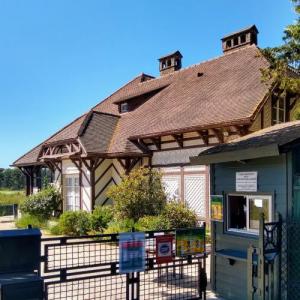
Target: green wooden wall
230, 281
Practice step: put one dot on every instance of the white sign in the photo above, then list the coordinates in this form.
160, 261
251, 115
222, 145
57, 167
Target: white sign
246, 182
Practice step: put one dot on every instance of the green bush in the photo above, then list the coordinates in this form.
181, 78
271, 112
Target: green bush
34, 221
42, 204
74, 223
125, 225
177, 215
100, 218
149, 223
141, 193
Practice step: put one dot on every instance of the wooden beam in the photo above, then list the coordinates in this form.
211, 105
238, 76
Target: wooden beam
141, 145
156, 142
204, 135
219, 135
179, 139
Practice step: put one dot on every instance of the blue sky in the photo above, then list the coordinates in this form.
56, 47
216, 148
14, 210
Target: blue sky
58, 58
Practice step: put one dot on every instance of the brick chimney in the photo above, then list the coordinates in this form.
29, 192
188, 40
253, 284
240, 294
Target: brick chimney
244, 37
170, 63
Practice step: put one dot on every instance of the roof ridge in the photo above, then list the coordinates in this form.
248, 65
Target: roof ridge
202, 62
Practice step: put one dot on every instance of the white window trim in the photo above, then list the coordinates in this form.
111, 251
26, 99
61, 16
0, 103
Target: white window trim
72, 207
248, 230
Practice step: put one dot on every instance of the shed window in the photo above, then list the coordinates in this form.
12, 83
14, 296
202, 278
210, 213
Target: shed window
278, 110
243, 212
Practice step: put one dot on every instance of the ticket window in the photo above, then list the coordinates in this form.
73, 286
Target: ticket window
243, 212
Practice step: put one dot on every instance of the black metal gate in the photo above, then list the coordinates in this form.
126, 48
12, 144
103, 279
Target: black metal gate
88, 268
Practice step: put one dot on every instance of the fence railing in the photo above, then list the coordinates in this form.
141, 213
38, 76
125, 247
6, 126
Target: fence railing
88, 268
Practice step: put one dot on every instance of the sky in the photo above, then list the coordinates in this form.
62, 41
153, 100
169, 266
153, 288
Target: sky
58, 58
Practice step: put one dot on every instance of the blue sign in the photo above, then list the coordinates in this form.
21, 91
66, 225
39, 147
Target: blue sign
132, 252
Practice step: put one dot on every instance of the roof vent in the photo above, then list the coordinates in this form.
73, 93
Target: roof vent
170, 63
247, 36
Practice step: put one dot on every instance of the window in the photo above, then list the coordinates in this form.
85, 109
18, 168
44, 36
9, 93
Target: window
124, 107
235, 41
228, 43
243, 38
278, 110
72, 192
243, 212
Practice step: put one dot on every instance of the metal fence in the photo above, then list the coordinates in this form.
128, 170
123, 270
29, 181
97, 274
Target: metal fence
88, 268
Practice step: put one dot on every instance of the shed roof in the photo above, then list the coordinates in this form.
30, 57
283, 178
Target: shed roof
262, 143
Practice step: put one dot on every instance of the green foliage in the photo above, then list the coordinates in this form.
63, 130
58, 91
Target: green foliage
117, 226
34, 221
11, 197
139, 194
177, 215
285, 57
100, 218
74, 223
150, 223
12, 178
42, 204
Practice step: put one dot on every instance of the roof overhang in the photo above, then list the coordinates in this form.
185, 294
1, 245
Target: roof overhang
236, 155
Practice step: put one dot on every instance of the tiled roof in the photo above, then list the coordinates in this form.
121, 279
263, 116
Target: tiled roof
280, 135
224, 90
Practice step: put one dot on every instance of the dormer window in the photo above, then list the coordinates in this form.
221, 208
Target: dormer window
124, 107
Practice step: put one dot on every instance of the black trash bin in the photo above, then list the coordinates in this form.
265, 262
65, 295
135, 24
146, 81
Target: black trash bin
20, 265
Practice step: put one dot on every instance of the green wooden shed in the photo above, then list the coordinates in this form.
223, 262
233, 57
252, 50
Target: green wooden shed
252, 257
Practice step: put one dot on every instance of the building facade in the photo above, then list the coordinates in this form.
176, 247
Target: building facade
160, 122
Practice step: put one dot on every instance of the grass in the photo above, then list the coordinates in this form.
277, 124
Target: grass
11, 197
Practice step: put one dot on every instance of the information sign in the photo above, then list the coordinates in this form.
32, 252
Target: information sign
190, 241
216, 208
164, 249
132, 252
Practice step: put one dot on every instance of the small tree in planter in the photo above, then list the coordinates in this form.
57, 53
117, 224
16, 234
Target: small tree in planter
140, 194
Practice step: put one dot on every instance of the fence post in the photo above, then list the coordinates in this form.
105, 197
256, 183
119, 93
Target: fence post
133, 286
261, 260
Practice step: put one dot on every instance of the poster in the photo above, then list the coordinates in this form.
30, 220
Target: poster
132, 252
216, 208
164, 249
190, 241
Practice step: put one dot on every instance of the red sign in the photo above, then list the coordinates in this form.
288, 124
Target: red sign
164, 249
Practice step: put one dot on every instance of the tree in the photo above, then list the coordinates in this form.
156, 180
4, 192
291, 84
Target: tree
140, 194
12, 178
285, 61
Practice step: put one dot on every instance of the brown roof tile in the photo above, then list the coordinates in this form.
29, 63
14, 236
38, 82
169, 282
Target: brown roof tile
220, 91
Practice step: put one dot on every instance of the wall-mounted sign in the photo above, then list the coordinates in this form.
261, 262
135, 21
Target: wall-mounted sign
132, 252
164, 249
216, 208
246, 182
190, 241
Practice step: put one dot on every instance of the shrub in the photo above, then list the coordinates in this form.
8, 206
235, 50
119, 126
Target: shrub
177, 215
125, 225
149, 223
100, 218
34, 221
141, 193
73, 223
42, 204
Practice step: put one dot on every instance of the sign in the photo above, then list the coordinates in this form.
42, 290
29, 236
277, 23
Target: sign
132, 252
246, 182
164, 249
216, 208
190, 241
